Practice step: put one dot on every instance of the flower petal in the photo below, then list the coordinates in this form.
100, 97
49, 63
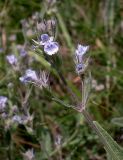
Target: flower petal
51, 48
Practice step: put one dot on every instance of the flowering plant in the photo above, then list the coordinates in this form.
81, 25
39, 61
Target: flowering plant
32, 120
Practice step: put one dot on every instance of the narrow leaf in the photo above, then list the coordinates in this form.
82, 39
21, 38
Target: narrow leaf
113, 149
118, 121
62, 103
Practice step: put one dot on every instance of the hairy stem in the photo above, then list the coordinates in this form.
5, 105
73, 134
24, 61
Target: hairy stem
89, 120
85, 113
73, 96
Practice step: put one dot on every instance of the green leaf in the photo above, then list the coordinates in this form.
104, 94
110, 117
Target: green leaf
37, 43
118, 121
109, 156
48, 143
62, 103
113, 149
40, 59
43, 62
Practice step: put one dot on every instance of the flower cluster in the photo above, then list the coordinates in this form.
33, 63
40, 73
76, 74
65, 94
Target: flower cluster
12, 116
22, 119
32, 77
79, 60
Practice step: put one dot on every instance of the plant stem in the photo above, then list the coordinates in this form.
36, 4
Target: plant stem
86, 115
9, 153
73, 96
89, 120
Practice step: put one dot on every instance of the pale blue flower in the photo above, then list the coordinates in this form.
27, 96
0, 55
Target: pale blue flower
12, 59
3, 101
17, 119
23, 52
79, 67
30, 75
81, 64
51, 48
81, 50
45, 38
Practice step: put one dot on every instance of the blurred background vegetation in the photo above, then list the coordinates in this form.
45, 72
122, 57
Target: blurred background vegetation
98, 23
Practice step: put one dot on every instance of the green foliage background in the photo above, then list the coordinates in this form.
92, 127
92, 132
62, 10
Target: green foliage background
95, 23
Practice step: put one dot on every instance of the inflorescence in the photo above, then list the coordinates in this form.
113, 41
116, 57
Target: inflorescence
81, 64
31, 76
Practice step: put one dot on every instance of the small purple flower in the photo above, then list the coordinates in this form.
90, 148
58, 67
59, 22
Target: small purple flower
12, 59
45, 38
30, 75
3, 101
79, 67
17, 119
23, 52
81, 50
81, 64
51, 48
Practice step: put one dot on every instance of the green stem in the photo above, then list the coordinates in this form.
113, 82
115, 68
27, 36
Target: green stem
73, 96
86, 115
9, 152
89, 120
